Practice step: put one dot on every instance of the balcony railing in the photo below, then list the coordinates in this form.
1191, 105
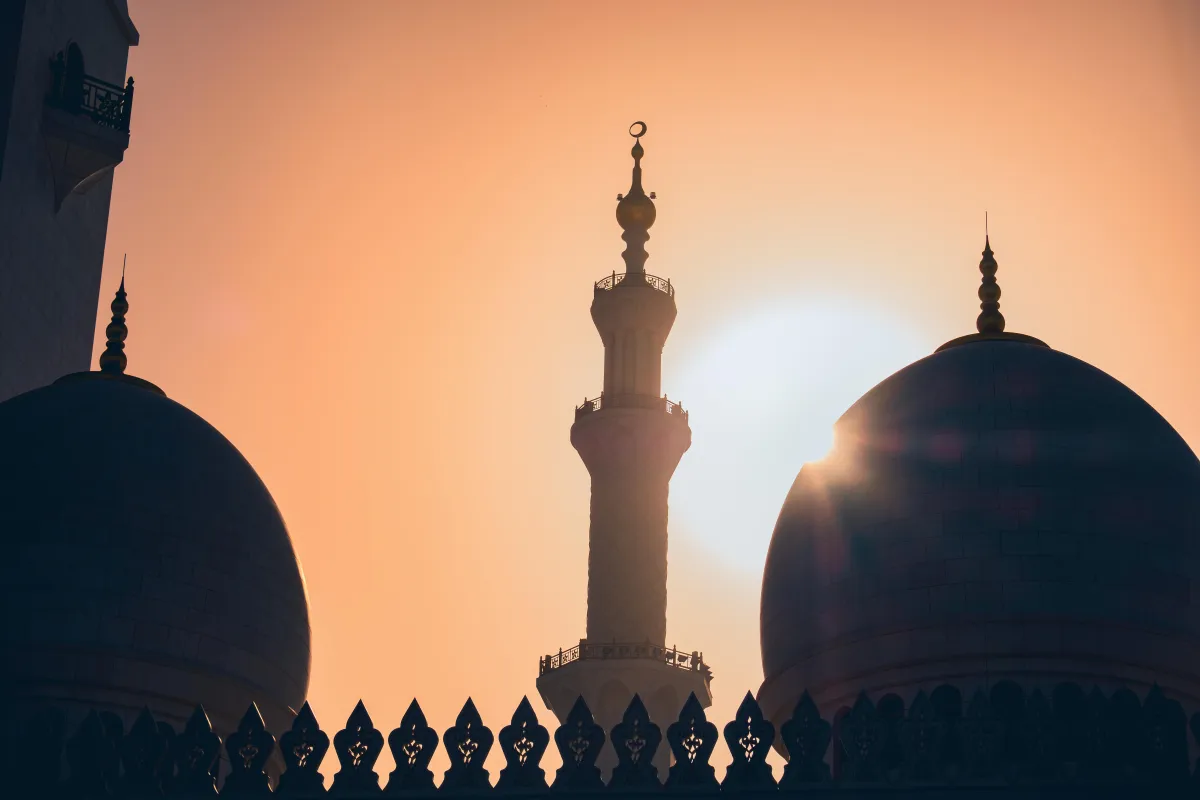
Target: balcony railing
631, 401
585, 651
105, 103
630, 278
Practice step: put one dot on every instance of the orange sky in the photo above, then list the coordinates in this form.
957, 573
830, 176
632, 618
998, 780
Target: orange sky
362, 238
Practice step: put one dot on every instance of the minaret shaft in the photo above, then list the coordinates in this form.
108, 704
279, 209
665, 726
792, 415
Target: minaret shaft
630, 454
627, 560
633, 333
631, 446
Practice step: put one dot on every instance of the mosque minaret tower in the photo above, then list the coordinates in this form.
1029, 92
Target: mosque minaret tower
631, 439
66, 105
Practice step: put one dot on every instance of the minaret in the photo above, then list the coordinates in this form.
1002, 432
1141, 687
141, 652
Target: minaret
65, 112
631, 439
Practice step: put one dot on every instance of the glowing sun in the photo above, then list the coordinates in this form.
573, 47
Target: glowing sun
763, 395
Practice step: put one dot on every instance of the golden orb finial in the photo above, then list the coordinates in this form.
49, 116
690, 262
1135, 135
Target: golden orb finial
635, 210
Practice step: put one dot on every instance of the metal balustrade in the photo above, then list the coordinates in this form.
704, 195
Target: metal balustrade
107, 104
631, 401
597, 651
635, 278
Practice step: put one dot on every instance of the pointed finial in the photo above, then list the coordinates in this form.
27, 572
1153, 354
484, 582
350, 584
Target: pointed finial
990, 323
113, 359
635, 210
990, 319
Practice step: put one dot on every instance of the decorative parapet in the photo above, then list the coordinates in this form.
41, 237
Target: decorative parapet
635, 278
1003, 743
631, 401
692, 661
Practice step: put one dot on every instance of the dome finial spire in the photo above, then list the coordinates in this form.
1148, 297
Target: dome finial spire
113, 359
990, 323
635, 210
990, 319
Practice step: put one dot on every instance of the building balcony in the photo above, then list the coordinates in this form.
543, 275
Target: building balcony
692, 662
85, 123
631, 401
635, 279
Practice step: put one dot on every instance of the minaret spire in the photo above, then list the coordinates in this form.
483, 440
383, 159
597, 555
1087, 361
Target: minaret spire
113, 359
990, 319
635, 210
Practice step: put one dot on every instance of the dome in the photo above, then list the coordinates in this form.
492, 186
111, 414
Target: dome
146, 563
995, 510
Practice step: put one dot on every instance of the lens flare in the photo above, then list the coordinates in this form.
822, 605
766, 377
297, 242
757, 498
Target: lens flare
763, 395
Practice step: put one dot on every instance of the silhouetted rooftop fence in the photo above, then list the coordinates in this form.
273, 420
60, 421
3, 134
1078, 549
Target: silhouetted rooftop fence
1003, 744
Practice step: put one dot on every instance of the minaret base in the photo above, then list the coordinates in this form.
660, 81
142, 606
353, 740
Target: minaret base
608, 684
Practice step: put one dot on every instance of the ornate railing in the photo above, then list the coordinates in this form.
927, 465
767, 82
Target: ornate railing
631, 401
629, 278
1003, 743
105, 103
594, 650
589, 406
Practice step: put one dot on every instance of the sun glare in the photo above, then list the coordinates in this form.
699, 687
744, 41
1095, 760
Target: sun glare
763, 396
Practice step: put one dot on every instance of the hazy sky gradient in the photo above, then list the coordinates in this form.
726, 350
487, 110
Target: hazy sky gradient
362, 238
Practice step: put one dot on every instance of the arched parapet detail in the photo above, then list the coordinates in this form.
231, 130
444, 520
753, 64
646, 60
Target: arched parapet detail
1004, 737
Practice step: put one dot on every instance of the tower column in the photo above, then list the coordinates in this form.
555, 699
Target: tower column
65, 112
630, 454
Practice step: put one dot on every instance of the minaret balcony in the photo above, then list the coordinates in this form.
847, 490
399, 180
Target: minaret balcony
671, 656
632, 401
616, 279
85, 122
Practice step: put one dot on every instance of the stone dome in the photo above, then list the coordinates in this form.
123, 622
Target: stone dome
995, 510
146, 563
